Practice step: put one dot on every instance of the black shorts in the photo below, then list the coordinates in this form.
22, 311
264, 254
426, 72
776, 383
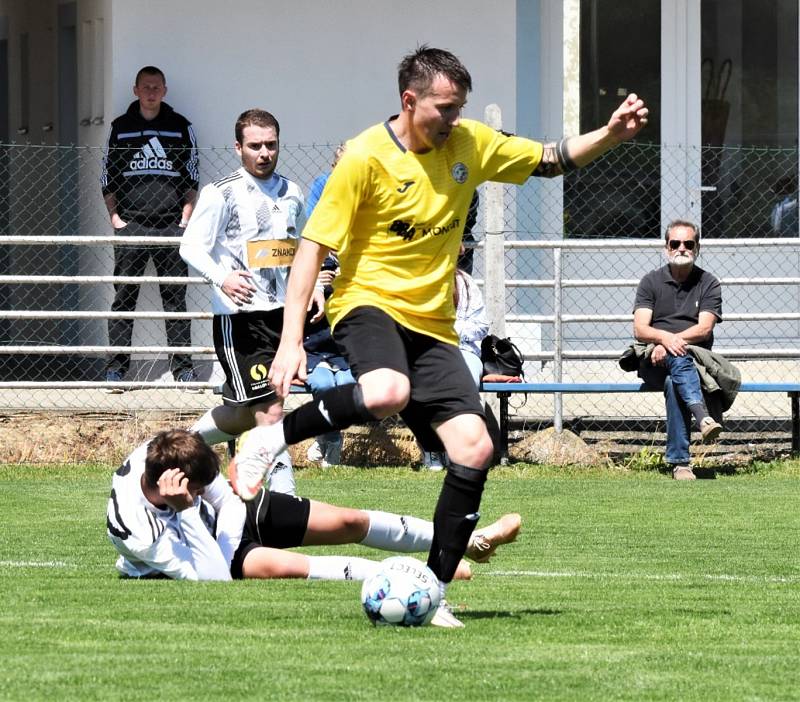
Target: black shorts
246, 344
441, 384
273, 519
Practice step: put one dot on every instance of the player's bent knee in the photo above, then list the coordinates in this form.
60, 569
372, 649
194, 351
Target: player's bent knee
483, 452
387, 402
355, 524
467, 441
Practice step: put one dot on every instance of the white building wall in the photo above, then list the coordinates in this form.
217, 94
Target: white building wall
325, 69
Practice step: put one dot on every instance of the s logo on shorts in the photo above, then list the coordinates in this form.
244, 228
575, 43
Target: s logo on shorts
459, 172
258, 371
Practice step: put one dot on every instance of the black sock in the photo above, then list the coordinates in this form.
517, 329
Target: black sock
699, 412
455, 518
334, 408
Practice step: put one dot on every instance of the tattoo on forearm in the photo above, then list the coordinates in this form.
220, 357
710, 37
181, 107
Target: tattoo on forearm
555, 160
567, 164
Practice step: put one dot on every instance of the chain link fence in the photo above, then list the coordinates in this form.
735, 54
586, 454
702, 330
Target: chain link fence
55, 294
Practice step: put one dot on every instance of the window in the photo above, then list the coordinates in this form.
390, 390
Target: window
620, 53
749, 80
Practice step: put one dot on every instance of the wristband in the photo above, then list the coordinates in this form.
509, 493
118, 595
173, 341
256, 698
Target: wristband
183, 223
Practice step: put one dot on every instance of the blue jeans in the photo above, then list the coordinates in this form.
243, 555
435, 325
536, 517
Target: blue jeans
322, 378
681, 383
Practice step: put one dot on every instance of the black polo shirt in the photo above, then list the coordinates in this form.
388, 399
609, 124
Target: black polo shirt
677, 306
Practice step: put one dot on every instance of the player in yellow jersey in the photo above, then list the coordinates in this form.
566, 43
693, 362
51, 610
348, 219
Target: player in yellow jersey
394, 209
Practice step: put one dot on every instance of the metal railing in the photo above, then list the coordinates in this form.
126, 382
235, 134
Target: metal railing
558, 272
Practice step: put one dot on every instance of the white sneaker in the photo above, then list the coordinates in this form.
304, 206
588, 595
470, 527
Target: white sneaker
257, 453
484, 542
314, 453
113, 376
280, 476
445, 618
434, 460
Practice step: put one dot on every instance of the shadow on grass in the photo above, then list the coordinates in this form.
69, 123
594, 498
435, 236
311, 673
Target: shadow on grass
475, 614
702, 473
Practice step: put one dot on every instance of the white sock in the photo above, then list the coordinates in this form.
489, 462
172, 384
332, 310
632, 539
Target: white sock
394, 532
208, 429
442, 591
280, 476
341, 568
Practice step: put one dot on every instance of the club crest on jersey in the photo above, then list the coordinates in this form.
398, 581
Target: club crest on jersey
460, 172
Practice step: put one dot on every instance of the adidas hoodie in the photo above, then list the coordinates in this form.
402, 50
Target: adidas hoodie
150, 165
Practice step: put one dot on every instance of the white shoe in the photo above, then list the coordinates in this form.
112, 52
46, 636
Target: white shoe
314, 453
434, 460
113, 376
445, 618
280, 476
258, 452
484, 542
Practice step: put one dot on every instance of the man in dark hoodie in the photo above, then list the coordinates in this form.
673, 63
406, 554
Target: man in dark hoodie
149, 180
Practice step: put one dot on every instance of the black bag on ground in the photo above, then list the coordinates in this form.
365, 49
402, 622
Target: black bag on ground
500, 357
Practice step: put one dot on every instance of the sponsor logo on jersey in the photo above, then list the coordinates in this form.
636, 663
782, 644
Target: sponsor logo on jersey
275, 207
443, 229
258, 371
151, 157
460, 172
408, 230
405, 186
404, 229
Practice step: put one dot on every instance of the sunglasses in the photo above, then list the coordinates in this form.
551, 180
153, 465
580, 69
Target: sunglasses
675, 245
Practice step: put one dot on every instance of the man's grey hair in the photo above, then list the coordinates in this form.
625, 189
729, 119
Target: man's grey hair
682, 223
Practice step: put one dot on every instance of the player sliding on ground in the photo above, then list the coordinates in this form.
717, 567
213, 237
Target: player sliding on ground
168, 500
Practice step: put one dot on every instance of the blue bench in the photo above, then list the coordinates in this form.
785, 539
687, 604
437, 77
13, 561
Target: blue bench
505, 390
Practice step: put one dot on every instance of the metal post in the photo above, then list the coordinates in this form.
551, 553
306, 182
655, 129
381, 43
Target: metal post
494, 281
494, 278
503, 396
558, 343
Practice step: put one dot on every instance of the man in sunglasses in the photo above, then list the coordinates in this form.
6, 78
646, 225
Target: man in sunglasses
675, 311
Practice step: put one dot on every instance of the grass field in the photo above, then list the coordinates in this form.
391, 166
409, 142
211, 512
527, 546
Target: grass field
623, 586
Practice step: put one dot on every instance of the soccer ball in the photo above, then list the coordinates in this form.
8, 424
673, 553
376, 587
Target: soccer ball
405, 592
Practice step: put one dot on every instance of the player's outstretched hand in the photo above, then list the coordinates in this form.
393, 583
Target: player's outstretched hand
629, 118
173, 486
289, 363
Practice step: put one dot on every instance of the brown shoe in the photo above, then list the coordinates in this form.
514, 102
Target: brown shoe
710, 428
683, 473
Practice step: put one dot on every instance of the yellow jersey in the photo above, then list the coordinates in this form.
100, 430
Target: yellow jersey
396, 219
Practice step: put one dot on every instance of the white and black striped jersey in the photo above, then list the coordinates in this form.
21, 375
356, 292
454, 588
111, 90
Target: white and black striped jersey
230, 213
180, 545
